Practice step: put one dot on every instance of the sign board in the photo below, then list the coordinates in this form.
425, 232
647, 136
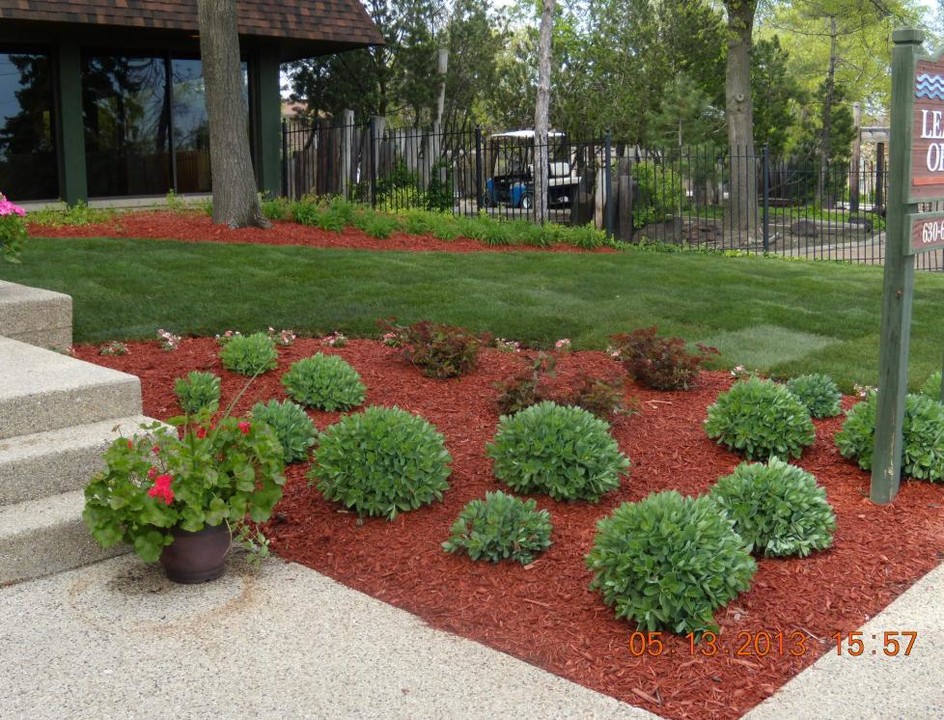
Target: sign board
927, 132
927, 232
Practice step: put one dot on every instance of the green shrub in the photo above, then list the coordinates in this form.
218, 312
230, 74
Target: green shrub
760, 419
199, 391
661, 193
658, 362
382, 461
524, 389
295, 430
922, 436
250, 354
324, 381
932, 386
440, 351
501, 527
777, 509
819, 393
602, 397
562, 451
668, 562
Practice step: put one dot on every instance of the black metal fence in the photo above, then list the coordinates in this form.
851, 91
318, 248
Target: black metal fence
680, 196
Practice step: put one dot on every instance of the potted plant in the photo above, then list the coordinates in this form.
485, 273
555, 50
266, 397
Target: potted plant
178, 494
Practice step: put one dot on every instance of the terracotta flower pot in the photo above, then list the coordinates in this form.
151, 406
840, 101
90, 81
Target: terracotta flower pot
196, 557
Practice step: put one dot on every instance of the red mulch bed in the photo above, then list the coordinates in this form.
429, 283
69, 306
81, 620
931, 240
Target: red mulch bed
544, 613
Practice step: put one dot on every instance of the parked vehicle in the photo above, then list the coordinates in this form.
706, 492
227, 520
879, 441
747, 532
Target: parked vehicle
511, 181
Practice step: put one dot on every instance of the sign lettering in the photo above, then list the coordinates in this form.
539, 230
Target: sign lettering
927, 231
927, 151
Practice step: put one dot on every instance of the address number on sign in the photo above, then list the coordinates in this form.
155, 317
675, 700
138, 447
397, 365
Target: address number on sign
927, 232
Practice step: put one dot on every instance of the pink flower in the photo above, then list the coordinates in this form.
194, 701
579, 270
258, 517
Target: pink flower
244, 427
201, 432
156, 449
162, 489
152, 473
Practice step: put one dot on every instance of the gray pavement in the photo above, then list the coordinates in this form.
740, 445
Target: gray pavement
117, 640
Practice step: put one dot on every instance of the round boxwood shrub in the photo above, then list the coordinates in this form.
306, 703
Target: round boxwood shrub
922, 436
295, 430
250, 354
563, 451
932, 386
760, 419
819, 393
198, 391
500, 527
324, 381
778, 509
382, 461
668, 562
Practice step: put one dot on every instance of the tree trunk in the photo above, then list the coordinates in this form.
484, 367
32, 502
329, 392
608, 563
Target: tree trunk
740, 115
235, 202
541, 112
825, 149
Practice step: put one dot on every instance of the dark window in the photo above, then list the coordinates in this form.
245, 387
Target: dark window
28, 168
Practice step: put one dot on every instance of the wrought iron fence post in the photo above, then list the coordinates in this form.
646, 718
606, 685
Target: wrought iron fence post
372, 160
608, 184
479, 170
285, 157
766, 220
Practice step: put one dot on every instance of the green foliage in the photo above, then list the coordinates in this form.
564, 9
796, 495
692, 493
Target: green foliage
62, 215
294, 429
819, 393
377, 225
668, 562
198, 392
777, 509
204, 475
922, 436
250, 354
501, 527
602, 397
381, 462
440, 351
558, 450
658, 362
760, 419
324, 381
277, 208
12, 235
932, 386
661, 194
524, 388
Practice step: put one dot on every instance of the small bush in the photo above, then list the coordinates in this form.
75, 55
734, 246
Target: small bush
501, 527
295, 430
658, 362
562, 451
760, 419
777, 509
381, 462
440, 351
932, 386
324, 381
199, 391
819, 393
922, 436
250, 354
524, 389
603, 398
668, 562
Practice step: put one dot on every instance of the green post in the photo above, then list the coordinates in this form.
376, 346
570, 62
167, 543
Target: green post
898, 284
267, 115
70, 134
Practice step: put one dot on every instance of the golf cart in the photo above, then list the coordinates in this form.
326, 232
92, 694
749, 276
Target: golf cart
511, 181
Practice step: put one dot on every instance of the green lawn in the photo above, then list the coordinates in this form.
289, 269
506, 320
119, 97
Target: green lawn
776, 316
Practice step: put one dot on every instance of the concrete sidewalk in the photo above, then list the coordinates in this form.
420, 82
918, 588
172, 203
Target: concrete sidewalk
118, 640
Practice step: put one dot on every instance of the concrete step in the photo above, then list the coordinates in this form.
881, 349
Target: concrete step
35, 316
57, 461
41, 390
46, 536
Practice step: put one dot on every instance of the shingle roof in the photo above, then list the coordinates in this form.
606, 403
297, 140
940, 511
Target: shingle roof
317, 21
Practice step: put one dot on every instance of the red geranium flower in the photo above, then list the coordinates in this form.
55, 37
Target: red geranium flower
244, 427
162, 490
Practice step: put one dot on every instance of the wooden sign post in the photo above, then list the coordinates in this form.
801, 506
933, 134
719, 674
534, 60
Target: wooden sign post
916, 153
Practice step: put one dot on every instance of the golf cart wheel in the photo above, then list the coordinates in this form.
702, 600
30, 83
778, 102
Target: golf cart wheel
527, 200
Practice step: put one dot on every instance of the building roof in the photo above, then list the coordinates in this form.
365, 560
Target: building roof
336, 24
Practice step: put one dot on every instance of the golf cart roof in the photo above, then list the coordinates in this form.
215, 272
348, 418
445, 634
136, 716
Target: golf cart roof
526, 134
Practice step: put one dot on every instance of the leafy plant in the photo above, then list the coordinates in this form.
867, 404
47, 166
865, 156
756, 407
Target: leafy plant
602, 397
559, 450
440, 351
382, 461
12, 230
932, 386
198, 392
523, 389
760, 419
778, 509
660, 191
294, 429
324, 381
922, 436
658, 362
819, 393
501, 527
668, 562
249, 354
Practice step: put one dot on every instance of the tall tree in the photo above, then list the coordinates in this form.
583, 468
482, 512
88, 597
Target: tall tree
774, 91
541, 106
235, 199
